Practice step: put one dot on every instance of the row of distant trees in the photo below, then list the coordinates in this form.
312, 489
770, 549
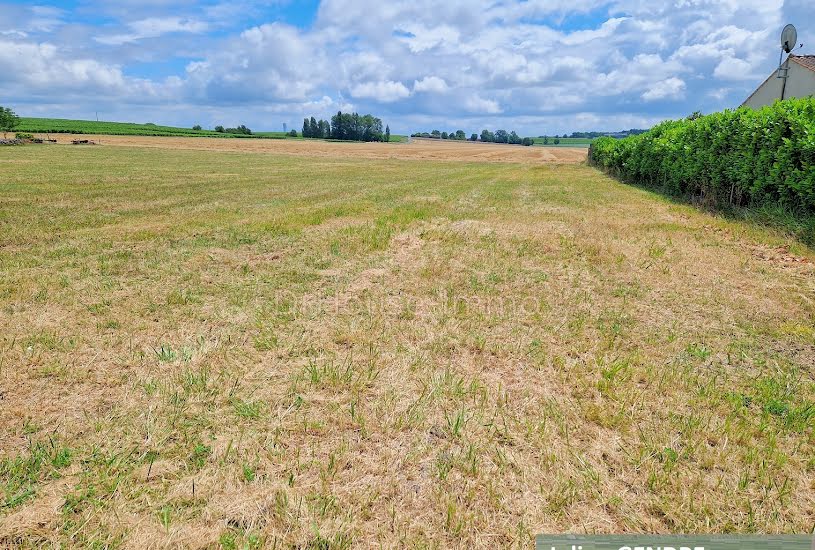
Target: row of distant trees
242, 129
594, 135
348, 127
435, 134
499, 136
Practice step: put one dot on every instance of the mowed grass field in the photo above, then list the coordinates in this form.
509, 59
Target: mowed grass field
204, 348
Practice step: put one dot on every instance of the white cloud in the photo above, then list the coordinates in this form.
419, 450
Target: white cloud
272, 62
431, 84
14, 34
156, 26
39, 67
384, 91
734, 68
479, 105
153, 27
606, 30
719, 93
670, 88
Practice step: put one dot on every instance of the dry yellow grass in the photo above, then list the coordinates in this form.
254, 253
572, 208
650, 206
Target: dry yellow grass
213, 348
419, 149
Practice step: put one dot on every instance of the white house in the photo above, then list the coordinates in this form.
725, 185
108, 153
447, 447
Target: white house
799, 82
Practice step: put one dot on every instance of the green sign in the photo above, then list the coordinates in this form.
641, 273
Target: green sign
675, 542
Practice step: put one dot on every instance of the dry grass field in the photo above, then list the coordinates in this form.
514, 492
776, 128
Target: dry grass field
204, 348
419, 149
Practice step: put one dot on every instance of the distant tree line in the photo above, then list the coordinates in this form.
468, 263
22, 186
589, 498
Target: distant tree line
499, 136
239, 130
347, 127
586, 135
595, 135
435, 134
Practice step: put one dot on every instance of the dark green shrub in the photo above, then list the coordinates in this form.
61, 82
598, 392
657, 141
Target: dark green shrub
744, 157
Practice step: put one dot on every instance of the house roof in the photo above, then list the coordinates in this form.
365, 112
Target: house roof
807, 61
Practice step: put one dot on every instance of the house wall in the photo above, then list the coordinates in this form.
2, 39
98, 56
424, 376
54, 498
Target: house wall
800, 83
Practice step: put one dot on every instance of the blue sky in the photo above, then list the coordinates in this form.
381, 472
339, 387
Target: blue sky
535, 66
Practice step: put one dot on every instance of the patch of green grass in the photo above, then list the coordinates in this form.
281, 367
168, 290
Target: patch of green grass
165, 353
199, 455
21, 475
241, 540
248, 409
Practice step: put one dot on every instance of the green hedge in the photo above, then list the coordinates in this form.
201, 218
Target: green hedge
742, 157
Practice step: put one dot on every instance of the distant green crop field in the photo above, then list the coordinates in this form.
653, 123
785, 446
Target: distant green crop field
65, 126
272, 135
565, 142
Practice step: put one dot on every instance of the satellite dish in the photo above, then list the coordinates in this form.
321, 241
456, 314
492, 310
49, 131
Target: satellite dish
789, 37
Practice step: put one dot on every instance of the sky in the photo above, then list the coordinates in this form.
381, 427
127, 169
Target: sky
534, 66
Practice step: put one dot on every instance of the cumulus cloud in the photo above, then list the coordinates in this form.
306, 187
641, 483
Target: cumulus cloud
431, 84
536, 66
734, 68
384, 91
268, 63
476, 104
665, 89
40, 67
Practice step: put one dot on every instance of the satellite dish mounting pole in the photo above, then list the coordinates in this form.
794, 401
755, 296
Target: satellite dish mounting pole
783, 73
789, 37
784, 84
